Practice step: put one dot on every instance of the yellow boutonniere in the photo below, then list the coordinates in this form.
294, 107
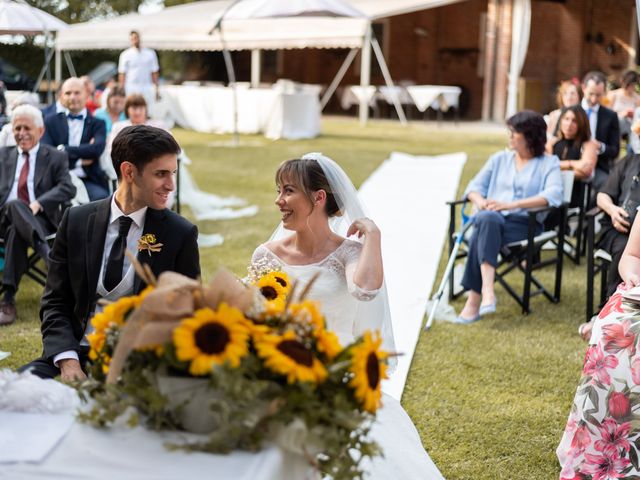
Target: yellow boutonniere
148, 242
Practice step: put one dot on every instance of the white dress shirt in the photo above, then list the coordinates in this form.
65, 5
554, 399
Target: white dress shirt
33, 153
125, 287
592, 113
76, 127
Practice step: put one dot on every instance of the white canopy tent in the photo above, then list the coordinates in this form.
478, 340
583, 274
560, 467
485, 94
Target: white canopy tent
187, 27
20, 18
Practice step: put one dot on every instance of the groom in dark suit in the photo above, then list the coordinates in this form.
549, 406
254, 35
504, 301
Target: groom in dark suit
88, 260
34, 190
82, 136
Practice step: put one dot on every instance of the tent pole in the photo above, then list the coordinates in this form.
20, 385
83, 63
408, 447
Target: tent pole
231, 74
58, 66
338, 78
48, 54
255, 68
70, 67
365, 75
388, 80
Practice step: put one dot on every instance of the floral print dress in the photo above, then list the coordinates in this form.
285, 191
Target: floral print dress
602, 438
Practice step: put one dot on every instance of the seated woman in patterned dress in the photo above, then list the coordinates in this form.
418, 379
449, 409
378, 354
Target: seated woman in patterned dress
602, 437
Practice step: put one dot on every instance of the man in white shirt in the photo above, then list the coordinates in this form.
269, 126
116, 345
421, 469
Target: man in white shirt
34, 190
138, 70
88, 260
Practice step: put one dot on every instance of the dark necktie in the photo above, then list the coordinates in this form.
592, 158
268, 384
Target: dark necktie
115, 262
23, 189
72, 116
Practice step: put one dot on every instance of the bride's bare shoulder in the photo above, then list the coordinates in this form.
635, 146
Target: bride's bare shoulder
277, 246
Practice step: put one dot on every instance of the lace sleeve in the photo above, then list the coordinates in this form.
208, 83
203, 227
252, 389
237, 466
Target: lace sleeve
351, 253
262, 261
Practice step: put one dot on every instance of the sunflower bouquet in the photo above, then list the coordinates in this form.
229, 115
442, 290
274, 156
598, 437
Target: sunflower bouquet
240, 363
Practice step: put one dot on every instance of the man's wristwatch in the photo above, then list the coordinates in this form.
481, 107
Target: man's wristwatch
60, 148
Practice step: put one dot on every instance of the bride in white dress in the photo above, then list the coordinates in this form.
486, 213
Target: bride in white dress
319, 208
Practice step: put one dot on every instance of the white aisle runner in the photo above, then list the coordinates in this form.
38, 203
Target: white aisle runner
406, 197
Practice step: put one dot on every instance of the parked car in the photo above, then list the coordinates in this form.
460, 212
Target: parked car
103, 73
14, 78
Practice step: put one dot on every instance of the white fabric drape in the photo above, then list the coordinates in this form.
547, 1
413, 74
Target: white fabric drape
520, 31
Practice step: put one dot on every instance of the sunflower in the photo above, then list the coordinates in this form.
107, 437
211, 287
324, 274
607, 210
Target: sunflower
211, 338
288, 356
273, 308
282, 278
368, 368
308, 312
328, 344
96, 341
271, 287
114, 314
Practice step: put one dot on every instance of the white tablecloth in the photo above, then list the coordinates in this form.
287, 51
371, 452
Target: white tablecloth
260, 110
352, 95
403, 96
438, 97
122, 453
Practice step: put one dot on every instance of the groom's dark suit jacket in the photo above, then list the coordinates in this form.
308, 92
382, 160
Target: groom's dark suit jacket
70, 294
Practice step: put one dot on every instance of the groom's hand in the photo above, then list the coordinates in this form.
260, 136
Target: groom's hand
70, 370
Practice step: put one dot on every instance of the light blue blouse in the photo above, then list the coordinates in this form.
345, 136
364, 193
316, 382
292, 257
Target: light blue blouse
499, 180
102, 114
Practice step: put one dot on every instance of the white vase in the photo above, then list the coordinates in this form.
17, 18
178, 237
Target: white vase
295, 437
191, 398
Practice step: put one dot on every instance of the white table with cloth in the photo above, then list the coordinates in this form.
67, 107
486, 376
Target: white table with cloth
209, 109
40, 438
89, 453
438, 97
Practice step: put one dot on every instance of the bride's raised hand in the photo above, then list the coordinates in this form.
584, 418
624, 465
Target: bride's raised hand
364, 226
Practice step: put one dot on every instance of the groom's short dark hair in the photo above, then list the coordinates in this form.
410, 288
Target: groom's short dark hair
141, 144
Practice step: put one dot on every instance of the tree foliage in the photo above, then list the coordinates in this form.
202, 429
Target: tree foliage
75, 11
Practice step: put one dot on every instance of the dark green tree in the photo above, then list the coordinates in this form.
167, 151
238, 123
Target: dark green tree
75, 11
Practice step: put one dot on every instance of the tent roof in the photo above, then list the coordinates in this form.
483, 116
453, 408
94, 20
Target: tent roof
22, 19
187, 27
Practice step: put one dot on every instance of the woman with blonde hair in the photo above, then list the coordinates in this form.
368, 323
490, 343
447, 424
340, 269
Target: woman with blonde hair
568, 94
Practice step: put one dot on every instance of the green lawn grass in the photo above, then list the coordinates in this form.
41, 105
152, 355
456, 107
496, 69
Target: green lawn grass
490, 400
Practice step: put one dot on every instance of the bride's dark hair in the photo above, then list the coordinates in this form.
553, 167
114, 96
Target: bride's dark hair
308, 176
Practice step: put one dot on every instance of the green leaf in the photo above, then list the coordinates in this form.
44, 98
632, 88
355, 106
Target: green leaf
633, 456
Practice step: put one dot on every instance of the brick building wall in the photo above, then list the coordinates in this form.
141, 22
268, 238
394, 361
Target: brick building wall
443, 46
568, 39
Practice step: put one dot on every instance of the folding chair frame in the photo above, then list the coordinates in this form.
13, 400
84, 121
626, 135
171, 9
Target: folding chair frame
34, 271
595, 265
579, 248
524, 256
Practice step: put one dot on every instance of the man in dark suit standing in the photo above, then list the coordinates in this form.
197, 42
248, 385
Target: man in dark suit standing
605, 128
35, 187
82, 136
88, 260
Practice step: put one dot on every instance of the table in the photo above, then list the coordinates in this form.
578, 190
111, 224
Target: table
209, 109
353, 94
438, 97
125, 453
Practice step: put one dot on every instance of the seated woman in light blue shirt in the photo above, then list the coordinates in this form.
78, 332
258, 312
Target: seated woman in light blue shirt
114, 112
511, 182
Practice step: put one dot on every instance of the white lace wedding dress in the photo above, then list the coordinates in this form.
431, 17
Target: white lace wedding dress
403, 454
